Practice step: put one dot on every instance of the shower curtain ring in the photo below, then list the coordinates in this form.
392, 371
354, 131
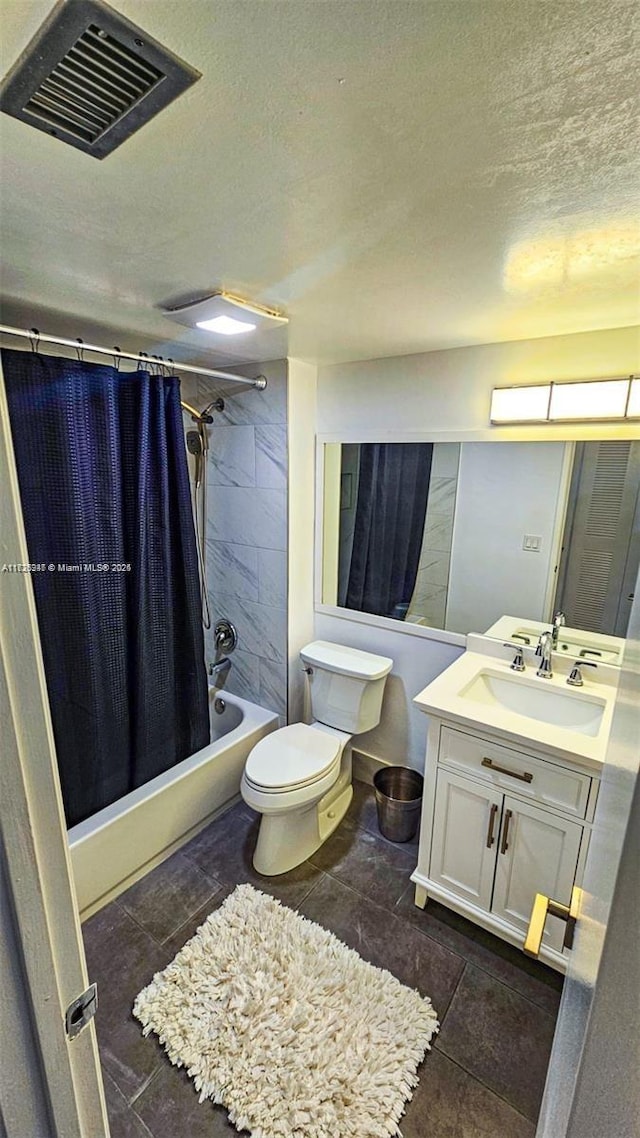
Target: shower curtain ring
34, 337
116, 357
80, 350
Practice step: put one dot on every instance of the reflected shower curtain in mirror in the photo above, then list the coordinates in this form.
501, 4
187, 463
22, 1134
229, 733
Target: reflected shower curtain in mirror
393, 485
105, 496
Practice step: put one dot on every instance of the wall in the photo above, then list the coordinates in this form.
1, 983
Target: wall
401, 735
247, 532
445, 391
592, 1087
23, 1096
451, 390
504, 491
301, 410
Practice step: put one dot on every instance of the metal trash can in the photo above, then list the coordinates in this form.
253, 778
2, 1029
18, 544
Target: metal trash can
398, 799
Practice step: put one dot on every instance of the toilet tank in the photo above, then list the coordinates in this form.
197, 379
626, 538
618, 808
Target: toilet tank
346, 685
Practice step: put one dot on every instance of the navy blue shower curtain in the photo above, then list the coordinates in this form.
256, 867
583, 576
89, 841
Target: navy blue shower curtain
107, 511
393, 485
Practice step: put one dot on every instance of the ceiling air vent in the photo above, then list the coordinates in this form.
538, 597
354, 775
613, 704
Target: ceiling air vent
91, 78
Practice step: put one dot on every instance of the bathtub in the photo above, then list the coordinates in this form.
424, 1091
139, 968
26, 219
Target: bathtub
121, 843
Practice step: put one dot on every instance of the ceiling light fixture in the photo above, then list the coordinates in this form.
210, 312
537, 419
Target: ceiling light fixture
574, 402
224, 313
226, 325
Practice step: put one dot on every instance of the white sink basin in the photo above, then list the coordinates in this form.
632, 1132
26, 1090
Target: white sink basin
480, 690
530, 698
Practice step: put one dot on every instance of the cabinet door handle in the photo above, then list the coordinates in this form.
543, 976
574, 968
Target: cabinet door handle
524, 776
492, 818
541, 907
505, 831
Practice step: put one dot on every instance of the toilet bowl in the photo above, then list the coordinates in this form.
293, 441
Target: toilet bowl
299, 777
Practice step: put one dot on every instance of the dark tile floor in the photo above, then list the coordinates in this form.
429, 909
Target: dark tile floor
485, 1074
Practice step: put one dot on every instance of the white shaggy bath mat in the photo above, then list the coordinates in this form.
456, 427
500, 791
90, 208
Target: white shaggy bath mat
289, 1029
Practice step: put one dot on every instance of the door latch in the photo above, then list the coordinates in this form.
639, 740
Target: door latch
544, 905
81, 1010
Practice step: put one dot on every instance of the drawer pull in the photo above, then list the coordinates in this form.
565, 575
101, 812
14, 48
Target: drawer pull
541, 907
492, 819
524, 776
505, 832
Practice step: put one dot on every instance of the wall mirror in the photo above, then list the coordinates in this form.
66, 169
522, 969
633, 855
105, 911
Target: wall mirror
456, 535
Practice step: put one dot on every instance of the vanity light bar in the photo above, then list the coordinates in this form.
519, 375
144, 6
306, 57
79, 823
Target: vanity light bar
573, 402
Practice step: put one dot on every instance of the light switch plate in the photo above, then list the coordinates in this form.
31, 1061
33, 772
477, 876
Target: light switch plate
532, 542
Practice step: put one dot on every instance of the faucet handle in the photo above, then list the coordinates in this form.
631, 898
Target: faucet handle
575, 679
225, 637
518, 659
545, 637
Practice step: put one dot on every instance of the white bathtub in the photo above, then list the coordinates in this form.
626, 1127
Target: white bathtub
121, 843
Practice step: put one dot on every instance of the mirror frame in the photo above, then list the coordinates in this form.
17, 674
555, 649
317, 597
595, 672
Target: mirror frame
563, 432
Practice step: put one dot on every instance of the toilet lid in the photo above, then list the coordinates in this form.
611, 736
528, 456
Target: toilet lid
291, 757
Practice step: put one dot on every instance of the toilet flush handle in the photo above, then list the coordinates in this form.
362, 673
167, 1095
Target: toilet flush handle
308, 671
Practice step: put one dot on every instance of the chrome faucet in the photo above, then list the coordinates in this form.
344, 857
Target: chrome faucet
575, 679
558, 621
518, 659
544, 650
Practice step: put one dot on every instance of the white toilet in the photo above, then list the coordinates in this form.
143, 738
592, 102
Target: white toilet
299, 777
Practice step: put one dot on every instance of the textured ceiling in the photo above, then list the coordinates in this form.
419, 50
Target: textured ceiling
400, 176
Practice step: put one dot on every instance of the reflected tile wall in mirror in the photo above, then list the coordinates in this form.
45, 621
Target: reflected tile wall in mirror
428, 603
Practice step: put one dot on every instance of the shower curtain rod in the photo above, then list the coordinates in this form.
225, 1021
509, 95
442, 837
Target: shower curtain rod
35, 337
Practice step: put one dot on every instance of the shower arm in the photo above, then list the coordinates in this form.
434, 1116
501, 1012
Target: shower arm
203, 418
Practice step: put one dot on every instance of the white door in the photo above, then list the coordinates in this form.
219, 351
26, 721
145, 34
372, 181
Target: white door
592, 1088
537, 853
465, 834
49, 1084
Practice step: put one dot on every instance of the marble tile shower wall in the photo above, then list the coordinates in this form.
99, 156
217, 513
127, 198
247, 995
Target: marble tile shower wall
247, 533
429, 600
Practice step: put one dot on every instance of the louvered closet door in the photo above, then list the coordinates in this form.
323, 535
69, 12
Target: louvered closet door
599, 540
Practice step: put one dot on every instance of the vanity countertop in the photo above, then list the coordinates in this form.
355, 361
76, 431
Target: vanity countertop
572, 642
480, 690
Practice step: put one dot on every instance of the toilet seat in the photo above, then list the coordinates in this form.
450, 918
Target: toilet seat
292, 758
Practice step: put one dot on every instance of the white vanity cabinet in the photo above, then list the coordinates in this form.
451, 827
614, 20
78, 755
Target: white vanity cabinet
467, 868
500, 824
